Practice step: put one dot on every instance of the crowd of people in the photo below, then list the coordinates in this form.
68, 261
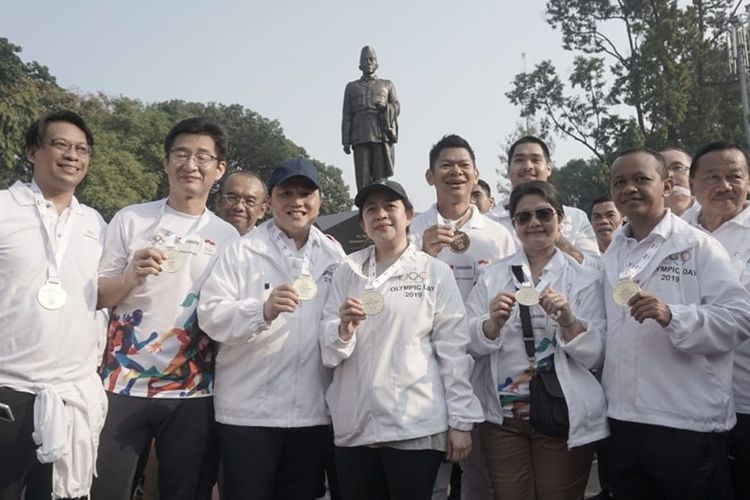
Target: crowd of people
480, 349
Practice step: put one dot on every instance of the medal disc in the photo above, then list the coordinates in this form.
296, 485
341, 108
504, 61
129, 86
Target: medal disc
174, 261
51, 296
306, 288
460, 242
527, 296
372, 302
624, 291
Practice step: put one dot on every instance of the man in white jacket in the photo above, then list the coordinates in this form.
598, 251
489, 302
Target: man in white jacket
50, 246
263, 304
529, 159
720, 180
675, 312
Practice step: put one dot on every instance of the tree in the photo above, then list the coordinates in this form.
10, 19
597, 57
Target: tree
581, 181
666, 83
127, 164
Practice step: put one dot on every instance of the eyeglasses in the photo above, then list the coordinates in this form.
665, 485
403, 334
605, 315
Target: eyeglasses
233, 199
179, 157
678, 167
63, 146
541, 214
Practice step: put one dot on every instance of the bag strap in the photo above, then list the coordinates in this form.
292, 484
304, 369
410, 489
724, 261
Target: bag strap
528, 332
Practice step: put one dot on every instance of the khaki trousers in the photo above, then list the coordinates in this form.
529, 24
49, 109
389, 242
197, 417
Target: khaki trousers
526, 465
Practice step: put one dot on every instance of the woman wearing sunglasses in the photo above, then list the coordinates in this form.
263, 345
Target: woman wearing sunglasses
566, 317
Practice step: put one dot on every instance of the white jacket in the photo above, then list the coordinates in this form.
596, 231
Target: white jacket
405, 372
734, 234
584, 395
267, 375
679, 376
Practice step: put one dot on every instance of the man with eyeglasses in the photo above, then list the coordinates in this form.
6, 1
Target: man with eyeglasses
50, 246
454, 231
678, 165
242, 200
158, 364
529, 159
720, 179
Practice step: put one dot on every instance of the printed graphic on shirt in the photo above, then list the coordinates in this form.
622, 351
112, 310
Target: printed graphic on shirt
675, 267
175, 363
514, 391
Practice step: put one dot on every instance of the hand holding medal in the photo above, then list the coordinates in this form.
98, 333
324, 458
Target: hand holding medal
500, 308
437, 237
283, 298
146, 261
646, 305
351, 313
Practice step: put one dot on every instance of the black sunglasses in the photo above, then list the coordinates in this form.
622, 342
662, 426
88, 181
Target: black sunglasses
542, 215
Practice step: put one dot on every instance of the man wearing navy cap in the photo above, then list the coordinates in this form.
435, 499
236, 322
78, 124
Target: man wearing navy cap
263, 304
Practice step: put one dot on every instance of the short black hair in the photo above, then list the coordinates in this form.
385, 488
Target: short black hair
35, 132
450, 141
662, 169
199, 125
485, 187
717, 146
602, 199
529, 139
542, 188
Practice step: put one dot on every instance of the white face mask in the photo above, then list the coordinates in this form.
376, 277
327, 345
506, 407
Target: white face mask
682, 191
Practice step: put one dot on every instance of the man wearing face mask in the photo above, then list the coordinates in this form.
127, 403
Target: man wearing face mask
368, 122
678, 164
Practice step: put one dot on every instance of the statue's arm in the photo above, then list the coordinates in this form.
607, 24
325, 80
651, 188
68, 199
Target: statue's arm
346, 118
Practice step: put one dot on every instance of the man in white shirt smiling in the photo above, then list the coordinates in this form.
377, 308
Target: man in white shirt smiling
50, 246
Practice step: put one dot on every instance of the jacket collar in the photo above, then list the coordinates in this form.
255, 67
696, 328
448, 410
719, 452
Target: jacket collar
29, 194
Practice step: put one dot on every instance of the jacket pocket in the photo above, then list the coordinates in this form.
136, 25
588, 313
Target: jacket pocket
416, 384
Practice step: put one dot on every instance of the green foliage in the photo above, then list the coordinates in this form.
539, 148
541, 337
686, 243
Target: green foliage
581, 181
667, 83
127, 166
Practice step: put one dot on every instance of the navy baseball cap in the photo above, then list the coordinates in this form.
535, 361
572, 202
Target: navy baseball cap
381, 185
293, 167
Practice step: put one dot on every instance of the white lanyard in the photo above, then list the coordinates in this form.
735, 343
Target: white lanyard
451, 222
169, 238
55, 257
278, 238
633, 271
372, 281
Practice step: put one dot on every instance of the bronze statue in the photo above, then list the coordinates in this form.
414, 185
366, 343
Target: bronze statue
369, 122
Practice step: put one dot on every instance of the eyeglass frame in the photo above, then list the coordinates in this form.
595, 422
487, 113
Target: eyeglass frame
255, 202
188, 156
534, 214
63, 146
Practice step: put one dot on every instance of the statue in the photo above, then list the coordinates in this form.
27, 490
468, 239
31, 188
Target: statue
368, 124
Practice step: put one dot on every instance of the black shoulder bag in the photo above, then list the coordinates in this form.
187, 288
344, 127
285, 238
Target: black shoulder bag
548, 408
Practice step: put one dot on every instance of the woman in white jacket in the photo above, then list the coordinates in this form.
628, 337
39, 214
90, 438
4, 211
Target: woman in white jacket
396, 334
567, 319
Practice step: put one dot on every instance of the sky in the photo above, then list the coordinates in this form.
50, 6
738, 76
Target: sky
451, 63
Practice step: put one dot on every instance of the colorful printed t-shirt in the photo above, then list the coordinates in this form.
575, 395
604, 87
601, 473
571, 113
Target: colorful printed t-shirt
154, 346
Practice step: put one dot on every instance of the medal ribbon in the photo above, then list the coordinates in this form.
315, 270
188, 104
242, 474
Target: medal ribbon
372, 281
54, 256
170, 240
633, 271
544, 281
452, 222
278, 239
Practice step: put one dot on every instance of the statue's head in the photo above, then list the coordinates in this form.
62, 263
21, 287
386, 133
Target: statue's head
368, 60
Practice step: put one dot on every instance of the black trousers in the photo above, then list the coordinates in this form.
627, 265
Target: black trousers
271, 463
740, 456
181, 430
19, 467
654, 462
386, 473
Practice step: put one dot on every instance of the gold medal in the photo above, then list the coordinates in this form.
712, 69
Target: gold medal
51, 296
173, 262
372, 302
460, 242
306, 288
527, 296
625, 290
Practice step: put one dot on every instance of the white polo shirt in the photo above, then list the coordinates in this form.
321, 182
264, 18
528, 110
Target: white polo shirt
154, 346
576, 228
489, 242
735, 236
39, 346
